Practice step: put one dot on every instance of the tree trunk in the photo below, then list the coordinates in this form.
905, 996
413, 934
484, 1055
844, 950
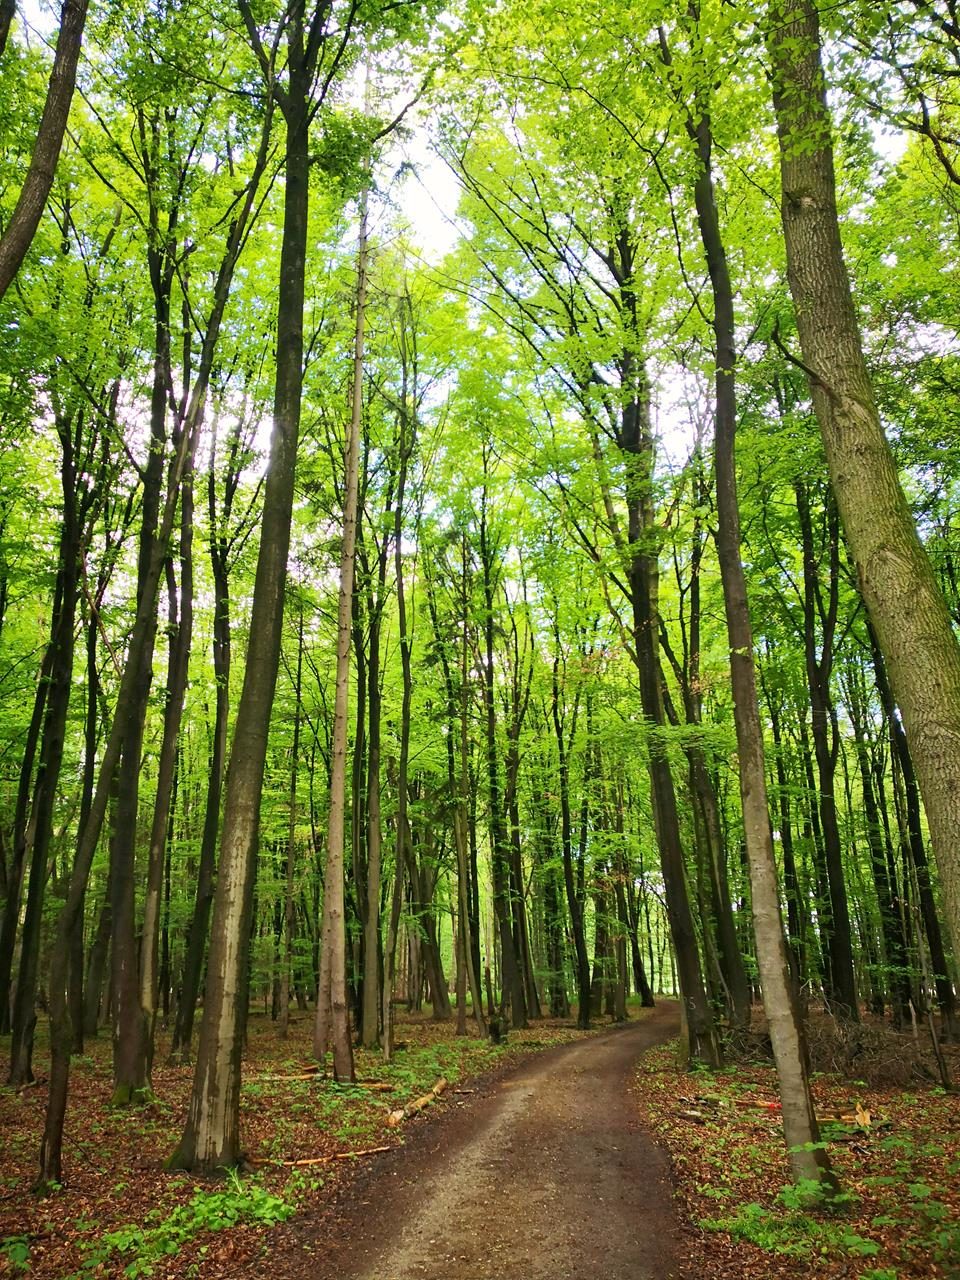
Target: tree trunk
96, 969
913, 846
180, 639
20, 230
14, 876
332, 1022
458, 782
574, 901
835, 912
289, 903
808, 1160
203, 901
512, 987
894, 949
47, 779
897, 582
130, 1083
211, 1138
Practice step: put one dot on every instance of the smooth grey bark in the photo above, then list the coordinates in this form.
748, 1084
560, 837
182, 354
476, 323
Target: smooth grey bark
512, 990
457, 742
61, 1037
180, 618
19, 849
574, 897
332, 1016
822, 608
211, 1138
40, 830
221, 545
289, 899
371, 1008
130, 1081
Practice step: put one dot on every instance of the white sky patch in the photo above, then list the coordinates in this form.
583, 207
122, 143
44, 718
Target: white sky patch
428, 197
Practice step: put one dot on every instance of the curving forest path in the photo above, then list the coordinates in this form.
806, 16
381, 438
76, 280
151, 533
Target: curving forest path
545, 1174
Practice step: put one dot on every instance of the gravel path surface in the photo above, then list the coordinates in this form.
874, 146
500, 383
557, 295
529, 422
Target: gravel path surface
545, 1175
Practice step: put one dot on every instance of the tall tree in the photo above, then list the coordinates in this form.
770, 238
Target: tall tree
808, 1157
906, 607
20, 230
332, 1019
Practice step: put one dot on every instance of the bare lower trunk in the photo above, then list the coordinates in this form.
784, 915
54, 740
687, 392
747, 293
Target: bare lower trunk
808, 1159
199, 921
181, 635
332, 1021
211, 1138
289, 904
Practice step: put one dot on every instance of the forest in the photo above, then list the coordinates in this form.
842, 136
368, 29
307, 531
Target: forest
479, 562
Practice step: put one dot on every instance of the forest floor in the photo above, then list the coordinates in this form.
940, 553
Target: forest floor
545, 1175
534, 1161
892, 1135
310, 1142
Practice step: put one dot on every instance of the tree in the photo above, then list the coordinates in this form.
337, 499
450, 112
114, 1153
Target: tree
332, 1021
801, 1133
895, 577
20, 230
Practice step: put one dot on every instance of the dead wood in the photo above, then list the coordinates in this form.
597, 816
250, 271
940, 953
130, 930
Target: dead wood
404, 1113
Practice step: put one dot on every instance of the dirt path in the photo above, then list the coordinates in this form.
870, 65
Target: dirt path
543, 1176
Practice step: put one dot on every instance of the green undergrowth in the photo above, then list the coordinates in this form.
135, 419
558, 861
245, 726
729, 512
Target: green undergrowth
794, 1231
898, 1214
141, 1247
354, 1115
131, 1219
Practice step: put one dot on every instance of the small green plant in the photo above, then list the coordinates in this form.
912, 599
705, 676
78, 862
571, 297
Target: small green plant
300, 1185
206, 1211
793, 1234
15, 1250
805, 1193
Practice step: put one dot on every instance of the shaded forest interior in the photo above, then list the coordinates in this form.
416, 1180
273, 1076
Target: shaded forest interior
504, 613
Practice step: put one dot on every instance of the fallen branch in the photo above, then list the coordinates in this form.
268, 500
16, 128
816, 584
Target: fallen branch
35, 1083
340, 1155
305, 1075
856, 1116
298, 1164
404, 1113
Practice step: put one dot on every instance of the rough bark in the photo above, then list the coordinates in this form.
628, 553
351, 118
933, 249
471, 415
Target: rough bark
915, 850
807, 1158
20, 230
897, 582
211, 1138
